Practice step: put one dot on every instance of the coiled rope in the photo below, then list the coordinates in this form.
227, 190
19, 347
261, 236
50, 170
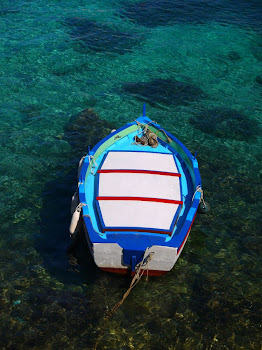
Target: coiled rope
149, 137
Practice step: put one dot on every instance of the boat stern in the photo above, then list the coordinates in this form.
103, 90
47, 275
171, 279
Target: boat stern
112, 257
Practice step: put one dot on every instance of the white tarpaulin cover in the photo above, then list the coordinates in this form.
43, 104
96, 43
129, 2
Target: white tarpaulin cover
138, 190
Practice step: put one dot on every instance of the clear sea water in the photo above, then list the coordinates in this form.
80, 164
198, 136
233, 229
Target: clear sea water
198, 66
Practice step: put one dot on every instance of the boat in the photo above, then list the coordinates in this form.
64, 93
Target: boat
139, 190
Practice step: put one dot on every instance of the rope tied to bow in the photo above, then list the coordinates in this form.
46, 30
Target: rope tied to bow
149, 138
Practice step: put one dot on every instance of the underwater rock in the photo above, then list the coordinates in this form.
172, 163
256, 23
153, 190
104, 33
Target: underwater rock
61, 69
30, 112
233, 56
86, 129
259, 79
166, 92
226, 123
152, 13
101, 38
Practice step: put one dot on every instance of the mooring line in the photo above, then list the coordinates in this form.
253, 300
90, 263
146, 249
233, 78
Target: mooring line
143, 265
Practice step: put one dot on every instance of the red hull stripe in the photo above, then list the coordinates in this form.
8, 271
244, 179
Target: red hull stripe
186, 235
135, 171
141, 199
128, 272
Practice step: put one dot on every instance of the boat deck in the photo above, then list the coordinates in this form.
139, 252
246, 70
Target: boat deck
132, 194
137, 189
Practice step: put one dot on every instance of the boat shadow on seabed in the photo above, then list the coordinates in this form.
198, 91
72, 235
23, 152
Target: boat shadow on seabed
83, 130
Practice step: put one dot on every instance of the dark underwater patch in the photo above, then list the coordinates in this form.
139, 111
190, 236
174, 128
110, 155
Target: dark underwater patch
61, 69
101, 38
85, 129
31, 113
233, 56
151, 13
166, 92
258, 80
226, 123
8, 10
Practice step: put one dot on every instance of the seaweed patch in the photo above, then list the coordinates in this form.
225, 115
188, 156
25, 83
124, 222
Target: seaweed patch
85, 129
258, 80
152, 13
100, 38
162, 12
166, 92
226, 123
233, 56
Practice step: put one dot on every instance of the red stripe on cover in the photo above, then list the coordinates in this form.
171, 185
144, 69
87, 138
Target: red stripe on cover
141, 199
123, 229
136, 171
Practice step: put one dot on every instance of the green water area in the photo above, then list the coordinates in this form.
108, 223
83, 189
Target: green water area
70, 72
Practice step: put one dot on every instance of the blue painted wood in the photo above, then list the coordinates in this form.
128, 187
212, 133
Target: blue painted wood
132, 242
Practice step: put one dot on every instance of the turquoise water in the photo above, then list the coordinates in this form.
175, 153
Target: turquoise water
197, 65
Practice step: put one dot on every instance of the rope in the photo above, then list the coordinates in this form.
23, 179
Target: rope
143, 125
80, 206
143, 141
152, 138
90, 159
148, 138
199, 189
168, 138
137, 277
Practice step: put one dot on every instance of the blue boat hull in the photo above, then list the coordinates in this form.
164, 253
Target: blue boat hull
120, 248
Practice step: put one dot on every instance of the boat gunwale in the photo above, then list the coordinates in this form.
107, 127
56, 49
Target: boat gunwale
175, 240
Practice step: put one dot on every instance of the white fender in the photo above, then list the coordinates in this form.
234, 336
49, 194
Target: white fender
74, 222
74, 202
